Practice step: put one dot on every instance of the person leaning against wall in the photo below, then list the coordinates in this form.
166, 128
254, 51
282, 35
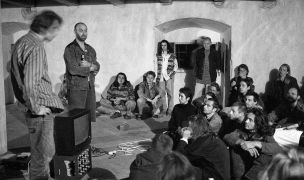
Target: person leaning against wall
33, 89
166, 68
206, 67
81, 69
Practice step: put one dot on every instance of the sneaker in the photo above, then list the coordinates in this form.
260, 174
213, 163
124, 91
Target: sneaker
126, 116
96, 152
138, 116
115, 115
155, 116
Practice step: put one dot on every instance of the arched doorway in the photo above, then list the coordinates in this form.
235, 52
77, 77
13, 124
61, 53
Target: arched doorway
196, 26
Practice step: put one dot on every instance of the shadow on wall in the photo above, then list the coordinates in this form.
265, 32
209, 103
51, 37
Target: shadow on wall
270, 96
104, 92
58, 85
8, 30
302, 88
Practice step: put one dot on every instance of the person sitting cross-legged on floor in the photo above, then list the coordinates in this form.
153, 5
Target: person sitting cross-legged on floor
253, 100
145, 166
210, 112
252, 146
175, 166
180, 114
120, 97
150, 95
288, 118
205, 149
200, 102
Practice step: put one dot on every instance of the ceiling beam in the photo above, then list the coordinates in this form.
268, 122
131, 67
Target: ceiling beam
68, 2
166, 1
116, 2
17, 3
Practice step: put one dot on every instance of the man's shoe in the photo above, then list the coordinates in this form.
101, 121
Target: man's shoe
138, 116
115, 115
126, 116
169, 112
155, 116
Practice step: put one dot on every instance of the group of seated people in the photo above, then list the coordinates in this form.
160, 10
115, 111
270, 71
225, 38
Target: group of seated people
161, 163
148, 97
236, 142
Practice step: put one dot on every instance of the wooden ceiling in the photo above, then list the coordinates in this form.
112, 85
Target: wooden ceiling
44, 3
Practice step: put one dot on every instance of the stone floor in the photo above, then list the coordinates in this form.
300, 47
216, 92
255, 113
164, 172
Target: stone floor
106, 135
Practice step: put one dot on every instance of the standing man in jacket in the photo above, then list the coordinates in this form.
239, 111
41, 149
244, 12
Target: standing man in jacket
81, 69
206, 66
33, 89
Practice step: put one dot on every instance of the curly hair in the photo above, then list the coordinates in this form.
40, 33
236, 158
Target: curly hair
244, 66
199, 125
287, 67
287, 166
159, 48
116, 84
261, 122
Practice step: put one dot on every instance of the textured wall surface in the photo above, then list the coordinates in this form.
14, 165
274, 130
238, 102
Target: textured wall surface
125, 37
3, 135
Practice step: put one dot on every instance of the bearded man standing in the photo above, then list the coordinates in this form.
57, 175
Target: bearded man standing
81, 69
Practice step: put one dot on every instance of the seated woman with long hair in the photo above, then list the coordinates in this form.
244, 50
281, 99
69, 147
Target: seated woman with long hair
285, 166
252, 146
120, 97
175, 166
146, 164
204, 149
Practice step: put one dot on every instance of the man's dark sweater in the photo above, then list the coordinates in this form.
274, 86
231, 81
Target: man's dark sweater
179, 116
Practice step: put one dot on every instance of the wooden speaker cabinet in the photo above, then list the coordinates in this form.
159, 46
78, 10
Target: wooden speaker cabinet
73, 167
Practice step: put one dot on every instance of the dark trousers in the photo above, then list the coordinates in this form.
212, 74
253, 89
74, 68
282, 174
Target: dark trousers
84, 99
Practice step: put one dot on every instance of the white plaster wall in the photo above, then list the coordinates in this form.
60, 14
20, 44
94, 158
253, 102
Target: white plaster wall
3, 135
125, 37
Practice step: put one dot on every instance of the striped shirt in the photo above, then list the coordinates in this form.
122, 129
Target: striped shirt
29, 73
125, 91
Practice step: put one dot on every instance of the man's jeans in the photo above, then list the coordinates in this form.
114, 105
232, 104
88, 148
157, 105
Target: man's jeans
42, 144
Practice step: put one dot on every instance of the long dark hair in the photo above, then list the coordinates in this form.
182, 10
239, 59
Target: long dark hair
199, 125
159, 48
116, 84
261, 122
175, 166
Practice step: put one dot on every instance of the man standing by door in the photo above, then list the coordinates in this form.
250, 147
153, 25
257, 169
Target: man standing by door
81, 69
33, 89
206, 66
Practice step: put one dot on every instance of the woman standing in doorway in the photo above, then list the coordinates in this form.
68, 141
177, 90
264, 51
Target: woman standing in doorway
166, 68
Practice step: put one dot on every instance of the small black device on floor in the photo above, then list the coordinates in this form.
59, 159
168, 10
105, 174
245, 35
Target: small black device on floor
73, 167
72, 135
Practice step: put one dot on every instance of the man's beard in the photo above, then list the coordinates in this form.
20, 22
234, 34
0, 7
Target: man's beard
291, 100
81, 38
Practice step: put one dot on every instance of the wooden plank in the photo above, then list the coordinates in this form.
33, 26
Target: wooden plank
17, 3
68, 2
166, 1
116, 2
